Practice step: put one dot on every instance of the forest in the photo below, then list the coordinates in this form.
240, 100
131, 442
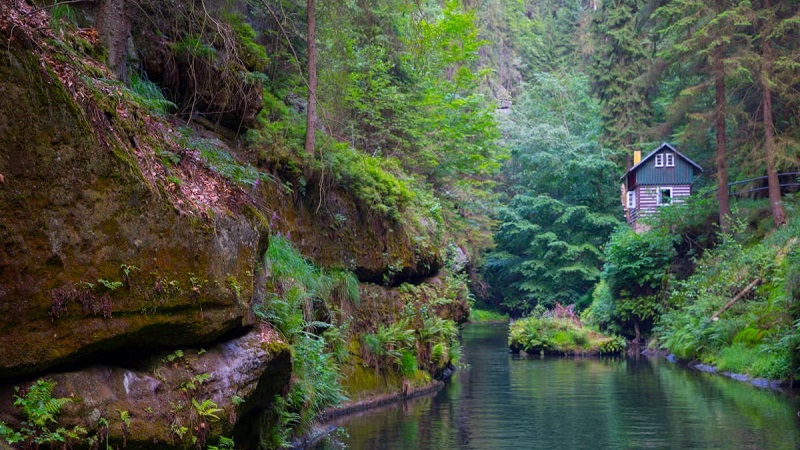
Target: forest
477, 147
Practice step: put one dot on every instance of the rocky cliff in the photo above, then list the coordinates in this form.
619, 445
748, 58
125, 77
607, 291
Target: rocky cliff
124, 254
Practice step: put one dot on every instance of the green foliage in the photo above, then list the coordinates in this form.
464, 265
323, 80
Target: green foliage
148, 94
637, 263
195, 46
344, 286
38, 403
408, 363
389, 342
478, 315
111, 285
758, 334
293, 275
547, 252
601, 313
177, 355
41, 411
61, 14
614, 346
369, 180
761, 361
316, 381
252, 54
220, 161
635, 274
543, 332
206, 410
550, 236
618, 65
224, 443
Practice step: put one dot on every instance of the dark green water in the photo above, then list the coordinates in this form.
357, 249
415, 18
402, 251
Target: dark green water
505, 402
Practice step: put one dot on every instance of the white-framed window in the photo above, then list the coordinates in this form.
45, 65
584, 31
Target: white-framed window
660, 160
669, 159
631, 199
664, 196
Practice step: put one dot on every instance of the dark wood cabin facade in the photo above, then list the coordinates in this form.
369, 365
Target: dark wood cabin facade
663, 177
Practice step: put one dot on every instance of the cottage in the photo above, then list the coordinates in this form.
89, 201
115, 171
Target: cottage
663, 177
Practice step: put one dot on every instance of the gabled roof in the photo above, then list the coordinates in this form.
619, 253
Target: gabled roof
661, 147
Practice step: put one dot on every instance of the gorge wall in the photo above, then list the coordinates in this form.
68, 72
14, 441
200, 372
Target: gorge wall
124, 276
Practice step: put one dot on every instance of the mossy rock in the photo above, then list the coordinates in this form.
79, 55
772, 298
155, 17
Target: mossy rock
240, 376
76, 210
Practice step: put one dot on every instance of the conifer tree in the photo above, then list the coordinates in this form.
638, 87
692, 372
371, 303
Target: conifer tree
619, 60
775, 39
711, 38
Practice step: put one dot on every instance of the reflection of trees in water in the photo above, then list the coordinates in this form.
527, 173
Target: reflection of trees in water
506, 402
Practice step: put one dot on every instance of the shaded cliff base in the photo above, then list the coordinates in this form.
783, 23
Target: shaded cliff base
328, 420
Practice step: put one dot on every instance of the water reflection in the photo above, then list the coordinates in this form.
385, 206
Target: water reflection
507, 402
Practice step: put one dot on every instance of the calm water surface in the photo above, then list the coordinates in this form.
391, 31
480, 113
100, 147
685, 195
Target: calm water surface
503, 401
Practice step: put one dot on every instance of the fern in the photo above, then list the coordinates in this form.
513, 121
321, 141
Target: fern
41, 411
207, 409
39, 405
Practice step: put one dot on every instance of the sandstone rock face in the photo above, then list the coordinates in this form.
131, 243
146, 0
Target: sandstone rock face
105, 263
240, 376
335, 231
93, 258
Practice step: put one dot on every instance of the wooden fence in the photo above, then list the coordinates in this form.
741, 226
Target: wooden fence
757, 187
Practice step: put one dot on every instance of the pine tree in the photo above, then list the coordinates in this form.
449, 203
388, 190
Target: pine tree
619, 60
711, 38
776, 39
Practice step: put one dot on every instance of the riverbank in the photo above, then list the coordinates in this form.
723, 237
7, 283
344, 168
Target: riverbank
765, 383
323, 427
777, 385
380, 400
504, 401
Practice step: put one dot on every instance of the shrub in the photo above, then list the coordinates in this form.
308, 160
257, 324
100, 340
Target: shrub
545, 333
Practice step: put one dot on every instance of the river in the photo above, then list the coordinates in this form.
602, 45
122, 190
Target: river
503, 401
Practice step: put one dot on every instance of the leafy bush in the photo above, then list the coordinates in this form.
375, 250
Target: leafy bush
757, 334
551, 335
635, 274
600, 312
636, 264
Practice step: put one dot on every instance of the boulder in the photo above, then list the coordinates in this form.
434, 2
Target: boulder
171, 400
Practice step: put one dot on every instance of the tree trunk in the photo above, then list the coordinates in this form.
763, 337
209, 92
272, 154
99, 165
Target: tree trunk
114, 27
722, 157
311, 119
778, 213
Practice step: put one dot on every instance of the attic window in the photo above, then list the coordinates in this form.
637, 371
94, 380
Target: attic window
670, 159
660, 160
